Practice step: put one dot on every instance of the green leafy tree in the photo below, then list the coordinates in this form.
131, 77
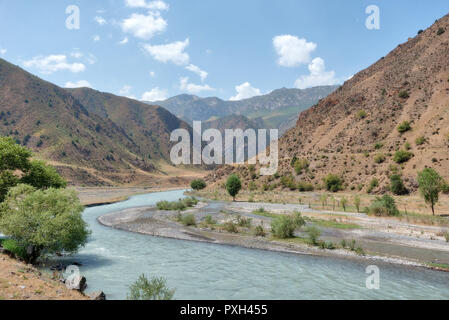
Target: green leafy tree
233, 185
284, 227
16, 167
154, 289
42, 176
43, 221
344, 203
198, 184
430, 182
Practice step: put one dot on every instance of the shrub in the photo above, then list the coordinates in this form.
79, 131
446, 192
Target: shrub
384, 206
397, 186
43, 221
378, 145
440, 31
344, 203
209, 220
244, 222
154, 289
300, 165
259, 231
333, 183
314, 234
420, 140
361, 114
402, 156
404, 94
17, 250
188, 220
284, 227
372, 185
198, 184
379, 158
305, 186
233, 185
444, 187
252, 186
288, 182
231, 227
179, 205
404, 127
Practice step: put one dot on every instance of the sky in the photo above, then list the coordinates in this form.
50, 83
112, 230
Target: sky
152, 50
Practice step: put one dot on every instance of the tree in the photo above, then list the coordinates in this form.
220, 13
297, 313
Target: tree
198, 184
42, 176
43, 221
323, 199
154, 289
284, 227
16, 167
357, 202
344, 203
233, 185
430, 182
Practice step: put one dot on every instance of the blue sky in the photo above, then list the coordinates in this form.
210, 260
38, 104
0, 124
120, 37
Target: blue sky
231, 49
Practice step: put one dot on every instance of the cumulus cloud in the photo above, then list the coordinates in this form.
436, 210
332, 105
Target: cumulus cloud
152, 5
155, 94
192, 88
245, 91
171, 52
3, 51
78, 84
53, 63
77, 54
152, 74
144, 26
318, 76
96, 38
292, 51
100, 20
203, 74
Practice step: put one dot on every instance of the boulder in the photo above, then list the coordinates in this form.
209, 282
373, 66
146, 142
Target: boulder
97, 295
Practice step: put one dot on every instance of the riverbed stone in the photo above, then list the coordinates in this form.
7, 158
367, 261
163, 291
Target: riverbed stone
97, 295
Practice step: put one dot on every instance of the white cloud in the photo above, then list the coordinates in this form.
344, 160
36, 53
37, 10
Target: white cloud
100, 20
172, 52
245, 91
318, 76
144, 26
76, 54
3, 51
203, 74
152, 5
78, 84
96, 38
155, 94
124, 41
192, 88
292, 51
125, 90
152, 74
53, 63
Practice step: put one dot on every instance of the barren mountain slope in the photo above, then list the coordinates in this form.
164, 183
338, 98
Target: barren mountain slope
343, 133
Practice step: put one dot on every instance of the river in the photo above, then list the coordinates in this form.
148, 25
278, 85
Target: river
113, 259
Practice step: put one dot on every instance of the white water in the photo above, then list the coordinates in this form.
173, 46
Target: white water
113, 259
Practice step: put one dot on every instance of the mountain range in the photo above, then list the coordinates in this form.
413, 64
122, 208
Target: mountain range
278, 109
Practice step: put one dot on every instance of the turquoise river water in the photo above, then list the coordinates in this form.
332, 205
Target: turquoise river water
113, 259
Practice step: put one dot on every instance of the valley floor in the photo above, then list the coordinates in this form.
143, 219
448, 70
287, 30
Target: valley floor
380, 238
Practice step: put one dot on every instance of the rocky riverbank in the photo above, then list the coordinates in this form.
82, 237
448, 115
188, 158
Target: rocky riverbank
380, 240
